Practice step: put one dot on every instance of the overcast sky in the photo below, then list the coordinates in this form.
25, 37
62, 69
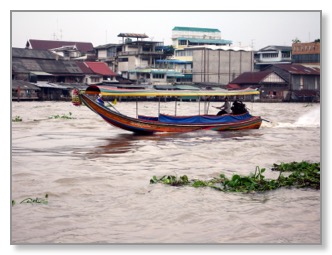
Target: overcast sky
257, 29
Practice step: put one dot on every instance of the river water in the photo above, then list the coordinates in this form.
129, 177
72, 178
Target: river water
97, 178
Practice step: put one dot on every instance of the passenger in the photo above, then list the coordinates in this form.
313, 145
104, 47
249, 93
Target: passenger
225, 108
238, 107
100, 99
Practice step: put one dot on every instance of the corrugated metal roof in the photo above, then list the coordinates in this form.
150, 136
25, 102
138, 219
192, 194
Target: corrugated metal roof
30, 53
196, 29
41, 73
25, 65
100, 68
251, 77
84, 67
299, 69
50, 85
47, 44
72, 67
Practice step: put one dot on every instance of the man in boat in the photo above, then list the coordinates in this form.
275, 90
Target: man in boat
238, 107
100, 99
225, 108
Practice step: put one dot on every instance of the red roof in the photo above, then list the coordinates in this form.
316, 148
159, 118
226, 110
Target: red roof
47, 45
233, 86
84, 67
100, 68
251, 77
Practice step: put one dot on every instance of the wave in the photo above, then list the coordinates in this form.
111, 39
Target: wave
311, 118
308, 119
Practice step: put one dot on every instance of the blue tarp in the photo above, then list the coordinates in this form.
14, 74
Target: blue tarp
201, 119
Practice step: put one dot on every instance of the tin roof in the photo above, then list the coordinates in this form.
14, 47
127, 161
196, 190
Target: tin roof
299, 69
84, 67
47, 44
251, 77
31, 53
100, 68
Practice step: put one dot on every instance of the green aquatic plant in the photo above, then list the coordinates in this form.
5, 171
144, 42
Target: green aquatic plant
36, 200
303, 175
17, 119
63, 116
171, 180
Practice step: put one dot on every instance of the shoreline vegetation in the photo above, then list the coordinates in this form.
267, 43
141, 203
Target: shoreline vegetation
291, 175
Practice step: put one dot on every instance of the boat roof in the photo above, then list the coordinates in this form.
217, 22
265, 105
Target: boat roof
120, 92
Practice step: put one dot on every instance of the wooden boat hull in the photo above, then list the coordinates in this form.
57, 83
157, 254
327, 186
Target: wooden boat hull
149, 126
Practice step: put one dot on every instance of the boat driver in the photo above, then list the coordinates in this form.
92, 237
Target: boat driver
225, 108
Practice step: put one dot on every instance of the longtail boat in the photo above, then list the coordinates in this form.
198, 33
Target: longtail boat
163, 122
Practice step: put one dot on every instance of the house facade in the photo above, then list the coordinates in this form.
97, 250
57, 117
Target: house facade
303, 81
270, 84
272, 54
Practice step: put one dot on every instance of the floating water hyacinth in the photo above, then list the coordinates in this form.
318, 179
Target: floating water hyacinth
303, 175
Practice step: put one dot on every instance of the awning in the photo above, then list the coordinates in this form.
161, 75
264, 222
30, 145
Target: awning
41, 73
50, 85
23, 85
175, 74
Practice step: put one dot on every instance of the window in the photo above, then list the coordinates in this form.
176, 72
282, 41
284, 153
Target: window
123, 60
286, 54
158, 76
182, 42
270, 55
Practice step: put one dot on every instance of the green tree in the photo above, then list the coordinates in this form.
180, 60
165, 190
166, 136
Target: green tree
168, 51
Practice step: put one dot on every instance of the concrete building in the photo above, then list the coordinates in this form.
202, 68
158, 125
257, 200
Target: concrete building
133, 54
306, 53
220, 65
183, 39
